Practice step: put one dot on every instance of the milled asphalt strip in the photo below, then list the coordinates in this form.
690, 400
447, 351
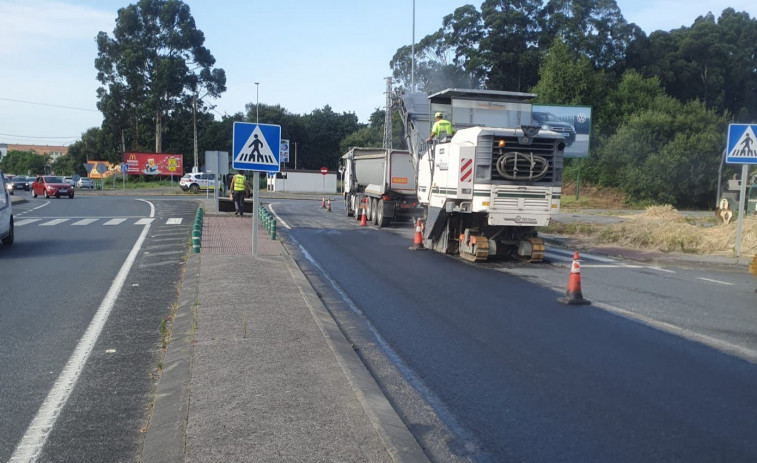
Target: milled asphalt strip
31, 444
399, 442
165, 437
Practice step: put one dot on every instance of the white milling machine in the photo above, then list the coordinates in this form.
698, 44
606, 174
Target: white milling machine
489, 186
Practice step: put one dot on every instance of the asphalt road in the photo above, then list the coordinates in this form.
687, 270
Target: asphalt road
484, 365
56, 275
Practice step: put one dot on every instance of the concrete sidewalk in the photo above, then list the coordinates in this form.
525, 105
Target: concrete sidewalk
257, 369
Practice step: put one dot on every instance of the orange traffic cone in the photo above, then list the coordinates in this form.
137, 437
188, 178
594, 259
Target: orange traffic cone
323, 203
363, 222
418, 237
573, 294
328, 205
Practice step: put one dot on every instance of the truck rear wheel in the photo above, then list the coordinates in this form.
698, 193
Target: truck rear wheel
381, 221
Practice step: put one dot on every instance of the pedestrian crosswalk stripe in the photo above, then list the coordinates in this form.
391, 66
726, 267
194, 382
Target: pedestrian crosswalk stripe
25, 221
114, 221
84, 222
53, 222
81, 221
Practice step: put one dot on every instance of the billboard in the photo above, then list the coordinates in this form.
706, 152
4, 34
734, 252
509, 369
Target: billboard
100, 169
153, 164
572, 122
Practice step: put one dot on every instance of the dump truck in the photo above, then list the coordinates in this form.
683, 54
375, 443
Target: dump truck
486, 189
381, 184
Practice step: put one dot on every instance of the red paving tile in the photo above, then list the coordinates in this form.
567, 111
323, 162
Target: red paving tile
232, 235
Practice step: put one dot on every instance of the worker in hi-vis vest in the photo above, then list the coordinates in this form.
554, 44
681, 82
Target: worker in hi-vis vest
239, 188
442, 128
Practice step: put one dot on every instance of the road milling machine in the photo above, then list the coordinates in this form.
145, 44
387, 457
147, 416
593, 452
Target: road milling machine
487, 188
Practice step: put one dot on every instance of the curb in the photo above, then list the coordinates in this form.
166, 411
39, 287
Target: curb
165, 440
397, 438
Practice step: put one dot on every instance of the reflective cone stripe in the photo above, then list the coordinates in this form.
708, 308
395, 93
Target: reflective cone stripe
323, 203
363, 222
328, 205
573, 294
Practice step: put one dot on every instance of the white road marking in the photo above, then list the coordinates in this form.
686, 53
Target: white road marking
174, 221
569, 254
53, 222
114, 221
24, 222
144, 221
30, 447
84, 222
717, 281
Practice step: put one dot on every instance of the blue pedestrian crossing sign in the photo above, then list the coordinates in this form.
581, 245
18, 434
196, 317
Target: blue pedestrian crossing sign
742, 144
256, 147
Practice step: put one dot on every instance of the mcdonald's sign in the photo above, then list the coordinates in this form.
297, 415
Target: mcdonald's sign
153, 164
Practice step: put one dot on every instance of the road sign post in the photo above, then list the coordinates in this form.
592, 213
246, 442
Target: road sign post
742, 149
256, 147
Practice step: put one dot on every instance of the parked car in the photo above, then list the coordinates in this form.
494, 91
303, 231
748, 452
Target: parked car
70, 181
19, 183
6, 213
549, 121
8, 184
85, 182
48, 185
195, 182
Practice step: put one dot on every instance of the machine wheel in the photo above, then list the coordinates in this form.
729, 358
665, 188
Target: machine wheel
8, 240
381, 221
194, 188
46, 195
71, 195
34, 195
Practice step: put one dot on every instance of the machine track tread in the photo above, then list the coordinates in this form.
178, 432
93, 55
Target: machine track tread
481, 250
537, 246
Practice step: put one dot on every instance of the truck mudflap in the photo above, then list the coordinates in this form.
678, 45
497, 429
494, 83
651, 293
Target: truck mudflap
436, 220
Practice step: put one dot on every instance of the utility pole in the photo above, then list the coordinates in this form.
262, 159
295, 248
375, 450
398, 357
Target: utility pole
194, 124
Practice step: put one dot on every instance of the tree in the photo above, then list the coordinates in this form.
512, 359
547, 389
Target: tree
509, 49
153, 64
668, 153
595, 29
564, 77
90, 147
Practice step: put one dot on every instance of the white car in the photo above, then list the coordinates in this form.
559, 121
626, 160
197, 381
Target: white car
6, 213
85, 182
195, 182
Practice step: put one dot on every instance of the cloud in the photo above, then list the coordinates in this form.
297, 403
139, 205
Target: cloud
33, 25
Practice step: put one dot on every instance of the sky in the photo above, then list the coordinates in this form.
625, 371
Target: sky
304, 54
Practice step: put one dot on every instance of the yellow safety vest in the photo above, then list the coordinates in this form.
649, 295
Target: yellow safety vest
442, 125
239, 182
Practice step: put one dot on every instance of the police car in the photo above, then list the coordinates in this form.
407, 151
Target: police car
197, 181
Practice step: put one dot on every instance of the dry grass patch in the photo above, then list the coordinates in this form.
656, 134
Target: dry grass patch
663, 228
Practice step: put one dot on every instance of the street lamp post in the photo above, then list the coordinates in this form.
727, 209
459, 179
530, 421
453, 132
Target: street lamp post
257, 101
194, 124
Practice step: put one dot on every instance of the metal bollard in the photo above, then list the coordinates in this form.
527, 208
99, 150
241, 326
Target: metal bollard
273, 230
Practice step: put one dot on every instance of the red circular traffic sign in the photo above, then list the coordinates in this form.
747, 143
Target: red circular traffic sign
324, 170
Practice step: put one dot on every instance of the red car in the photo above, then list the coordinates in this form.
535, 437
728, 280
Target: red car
49, 185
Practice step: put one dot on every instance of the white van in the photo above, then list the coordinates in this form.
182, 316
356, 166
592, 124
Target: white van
6, 213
